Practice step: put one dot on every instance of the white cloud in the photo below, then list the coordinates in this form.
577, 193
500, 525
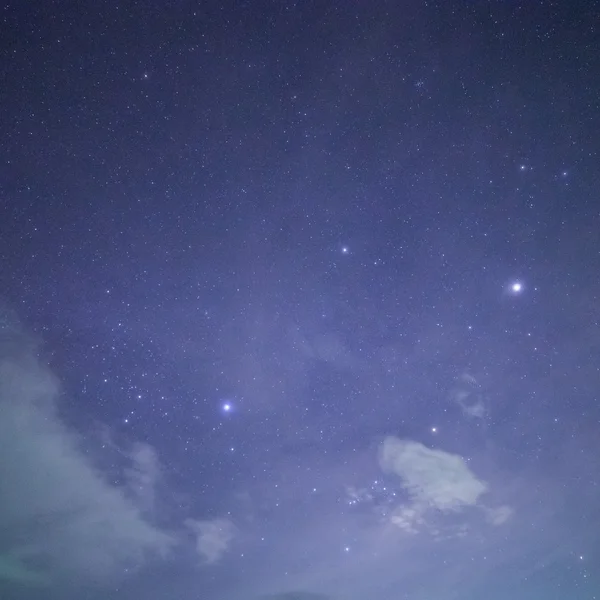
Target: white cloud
213, 537
434, 480
432, 477
57, 511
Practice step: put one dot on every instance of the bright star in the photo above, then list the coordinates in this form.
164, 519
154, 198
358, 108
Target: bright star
345, 250
227, 407
515, 287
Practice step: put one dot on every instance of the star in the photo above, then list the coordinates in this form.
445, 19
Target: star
516, 287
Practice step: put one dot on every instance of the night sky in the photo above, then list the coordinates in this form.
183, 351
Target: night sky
300, 300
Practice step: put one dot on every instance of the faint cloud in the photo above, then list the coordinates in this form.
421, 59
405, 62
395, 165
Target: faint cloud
330, 348
143, 474
499, 515
327, 347
357, 496
409, 518
213, 537
58, 513
467, 394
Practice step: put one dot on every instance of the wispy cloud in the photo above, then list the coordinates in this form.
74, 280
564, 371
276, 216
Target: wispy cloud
468, 396
57, 510
213, 537
327, 347
357, 495
499, 515
144, 474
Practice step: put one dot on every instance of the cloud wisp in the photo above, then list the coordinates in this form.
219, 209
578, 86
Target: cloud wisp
468, 396
58, 512
61, 516
213, 538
